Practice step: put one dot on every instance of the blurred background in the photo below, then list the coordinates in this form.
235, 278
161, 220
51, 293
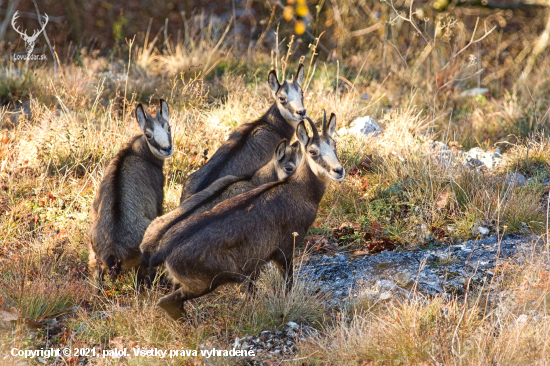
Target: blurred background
487, 61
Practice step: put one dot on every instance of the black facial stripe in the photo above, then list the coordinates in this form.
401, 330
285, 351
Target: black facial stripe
319, 160
154, 144
289, 108
150, 125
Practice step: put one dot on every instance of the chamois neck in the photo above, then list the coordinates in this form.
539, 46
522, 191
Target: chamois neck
274, 117
313, 185
141, 149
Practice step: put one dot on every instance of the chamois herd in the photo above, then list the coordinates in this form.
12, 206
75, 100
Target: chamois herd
239, 211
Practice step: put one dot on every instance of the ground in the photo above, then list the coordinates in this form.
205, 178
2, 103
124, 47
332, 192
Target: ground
461, 166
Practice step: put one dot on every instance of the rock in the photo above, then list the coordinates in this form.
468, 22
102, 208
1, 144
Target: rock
403, 279
477, 157
386, 295
362, 126
515, 180
424, 230
479, 230
524, 229
437, 146
293, 326
373, 276
522, 318
450, 228
474, 92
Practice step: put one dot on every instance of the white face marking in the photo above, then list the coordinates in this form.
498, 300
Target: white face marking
293, 96
326, 152
161, 137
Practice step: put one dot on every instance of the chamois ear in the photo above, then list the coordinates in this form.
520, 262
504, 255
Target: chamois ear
273, 81
164, 110
299, 77
280, 150
301, 134
140, 116
331, 128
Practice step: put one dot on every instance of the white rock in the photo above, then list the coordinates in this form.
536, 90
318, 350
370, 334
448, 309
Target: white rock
476, 157
522, 318
516, 180
385, 295
293, 325
480, 230
403, 279
474, 92
362, 126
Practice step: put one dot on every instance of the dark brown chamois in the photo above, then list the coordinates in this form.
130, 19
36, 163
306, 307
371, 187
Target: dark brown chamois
251, 146
284, 162
130, 196
231, 242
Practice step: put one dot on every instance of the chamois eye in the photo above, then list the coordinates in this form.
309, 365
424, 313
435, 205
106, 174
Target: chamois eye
148, 135
289, 169
313, 152
282, 99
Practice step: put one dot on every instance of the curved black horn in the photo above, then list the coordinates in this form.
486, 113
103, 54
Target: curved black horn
313, 128
324, 121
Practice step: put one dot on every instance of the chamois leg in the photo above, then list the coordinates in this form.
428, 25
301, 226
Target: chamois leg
142, 279
252, 287
96, 271
98, 274
115, 265
173, 303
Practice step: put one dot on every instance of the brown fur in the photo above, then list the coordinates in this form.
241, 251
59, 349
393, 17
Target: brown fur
231, 242
251, 146
222, 189
129, 197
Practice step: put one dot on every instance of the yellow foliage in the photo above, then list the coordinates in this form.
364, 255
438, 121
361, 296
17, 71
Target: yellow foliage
288, 13
300, 27
301, 9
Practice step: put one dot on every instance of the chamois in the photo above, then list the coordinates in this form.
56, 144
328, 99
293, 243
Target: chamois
231, 242
251, 145
130, 196
282, 165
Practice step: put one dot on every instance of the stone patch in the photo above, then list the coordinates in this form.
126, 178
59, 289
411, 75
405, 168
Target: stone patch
435, 271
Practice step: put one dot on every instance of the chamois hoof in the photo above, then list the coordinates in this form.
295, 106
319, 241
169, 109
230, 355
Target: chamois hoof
173, 307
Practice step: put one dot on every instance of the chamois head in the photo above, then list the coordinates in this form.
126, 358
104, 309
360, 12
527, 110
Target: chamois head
156, 130
320, 150
286, 159
289, 96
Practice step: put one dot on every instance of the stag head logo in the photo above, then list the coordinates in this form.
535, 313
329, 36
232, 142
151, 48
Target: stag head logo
29, 41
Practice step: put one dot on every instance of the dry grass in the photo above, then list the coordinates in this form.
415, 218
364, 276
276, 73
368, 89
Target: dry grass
505, 324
